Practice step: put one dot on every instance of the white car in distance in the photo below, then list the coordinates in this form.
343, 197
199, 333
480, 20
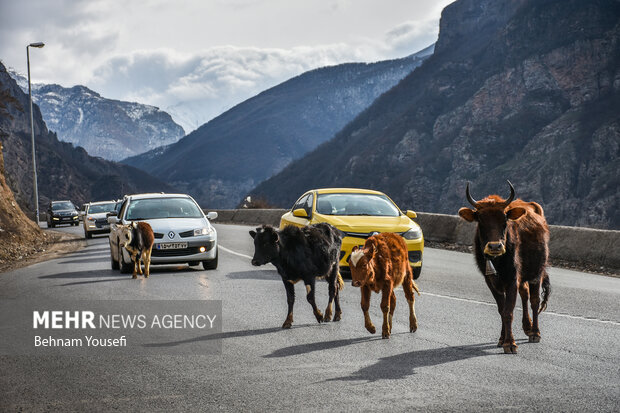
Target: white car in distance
94, 217
183, 233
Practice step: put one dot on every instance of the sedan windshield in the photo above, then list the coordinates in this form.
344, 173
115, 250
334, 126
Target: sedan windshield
99, 208
356, 204
59, 206
157, 208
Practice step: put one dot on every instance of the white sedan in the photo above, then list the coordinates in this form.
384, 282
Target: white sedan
183, 234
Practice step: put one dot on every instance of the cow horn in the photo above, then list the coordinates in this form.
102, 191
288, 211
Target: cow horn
512, 195
469, 198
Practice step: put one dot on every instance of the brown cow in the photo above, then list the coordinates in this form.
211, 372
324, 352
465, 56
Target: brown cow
383, 265
511, 249
138, 239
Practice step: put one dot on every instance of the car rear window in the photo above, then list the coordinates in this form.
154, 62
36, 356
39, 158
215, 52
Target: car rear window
158, 208
59, 206
356, 204
99, 208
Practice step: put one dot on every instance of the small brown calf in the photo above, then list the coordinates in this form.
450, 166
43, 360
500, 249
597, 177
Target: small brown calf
138, 239
383, 265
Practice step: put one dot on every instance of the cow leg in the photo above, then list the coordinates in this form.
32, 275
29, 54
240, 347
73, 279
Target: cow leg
511, 298
408, 289
339, 284
392, 307
385, 308
365, 306
535, 301
500, 299
290, 299
310, 297
136, 264
332, 289
524, 292
147, 263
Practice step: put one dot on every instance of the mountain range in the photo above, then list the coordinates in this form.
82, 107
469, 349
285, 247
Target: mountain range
226, 157
111, 129
64, 171
525, 90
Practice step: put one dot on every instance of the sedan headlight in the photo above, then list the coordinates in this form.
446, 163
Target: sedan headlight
413, 233
203, 231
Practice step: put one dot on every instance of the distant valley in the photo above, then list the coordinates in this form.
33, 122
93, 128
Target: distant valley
225, 158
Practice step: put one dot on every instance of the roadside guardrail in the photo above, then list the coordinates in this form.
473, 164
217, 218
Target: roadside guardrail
574, 244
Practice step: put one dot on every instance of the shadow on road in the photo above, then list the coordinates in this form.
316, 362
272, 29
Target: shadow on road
94, 259
268, 275
325, 345
218, 336
92, 250
402, 365
87, 274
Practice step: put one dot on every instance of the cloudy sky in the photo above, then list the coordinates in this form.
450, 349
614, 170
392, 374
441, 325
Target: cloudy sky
197, 58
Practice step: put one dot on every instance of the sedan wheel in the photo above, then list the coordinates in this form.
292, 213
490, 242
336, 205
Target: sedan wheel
125, 268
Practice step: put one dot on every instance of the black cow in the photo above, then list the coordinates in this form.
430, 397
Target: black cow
304, 254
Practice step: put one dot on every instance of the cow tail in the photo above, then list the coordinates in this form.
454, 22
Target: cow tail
546, 291
340, 282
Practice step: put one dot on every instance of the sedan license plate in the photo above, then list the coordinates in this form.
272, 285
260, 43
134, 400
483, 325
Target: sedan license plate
171, 246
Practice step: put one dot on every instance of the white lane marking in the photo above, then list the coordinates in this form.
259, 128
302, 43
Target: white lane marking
467, 300
574, 317
234, 252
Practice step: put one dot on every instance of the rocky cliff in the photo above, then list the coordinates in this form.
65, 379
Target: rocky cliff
226, 157
526, 90
64, 172
108, 128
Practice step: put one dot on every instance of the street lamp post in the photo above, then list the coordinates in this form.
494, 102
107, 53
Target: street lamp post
34, 159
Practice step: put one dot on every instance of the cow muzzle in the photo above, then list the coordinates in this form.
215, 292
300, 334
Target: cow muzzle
494, 249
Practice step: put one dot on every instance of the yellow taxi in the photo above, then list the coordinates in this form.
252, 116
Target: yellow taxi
359, 213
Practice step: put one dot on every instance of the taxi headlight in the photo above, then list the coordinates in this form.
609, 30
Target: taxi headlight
203, 231
413, 233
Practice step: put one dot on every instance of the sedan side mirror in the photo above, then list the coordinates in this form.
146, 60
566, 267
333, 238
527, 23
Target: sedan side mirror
411, 214
211, 215
300, 213
113, 220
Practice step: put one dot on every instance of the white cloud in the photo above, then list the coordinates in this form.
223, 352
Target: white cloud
204, 56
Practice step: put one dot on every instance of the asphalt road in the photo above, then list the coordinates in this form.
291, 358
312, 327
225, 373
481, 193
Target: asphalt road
450, 364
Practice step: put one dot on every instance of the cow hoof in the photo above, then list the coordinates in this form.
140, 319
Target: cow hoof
371, 329
385, 335
510, 349
500, 343
134, 276
338, 317
319, 316
413, 329
287, 324
534, 339
327, 318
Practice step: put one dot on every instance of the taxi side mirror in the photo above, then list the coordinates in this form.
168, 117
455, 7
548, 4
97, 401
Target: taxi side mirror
300, 213
411, 214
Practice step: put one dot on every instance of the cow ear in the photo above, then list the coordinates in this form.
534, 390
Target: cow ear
370, 249
467, 214
515, 213
252, 233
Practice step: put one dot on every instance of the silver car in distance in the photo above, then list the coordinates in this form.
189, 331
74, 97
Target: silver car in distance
183, 234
